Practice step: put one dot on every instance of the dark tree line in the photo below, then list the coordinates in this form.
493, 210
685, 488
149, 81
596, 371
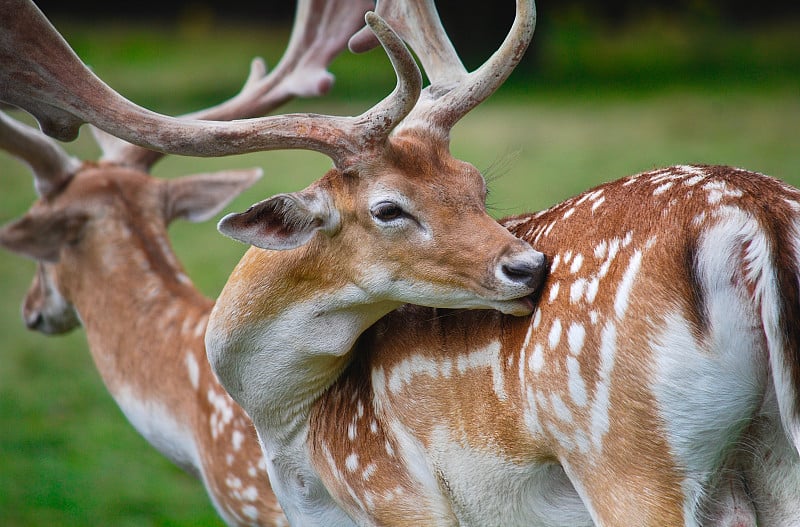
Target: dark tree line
739, 11
474, 25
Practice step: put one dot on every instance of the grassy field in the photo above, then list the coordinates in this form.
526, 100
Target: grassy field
69, 458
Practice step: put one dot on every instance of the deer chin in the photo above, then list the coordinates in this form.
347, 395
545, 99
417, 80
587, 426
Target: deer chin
519, 307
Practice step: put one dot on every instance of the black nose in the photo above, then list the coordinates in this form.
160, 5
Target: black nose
33, 320
525, 272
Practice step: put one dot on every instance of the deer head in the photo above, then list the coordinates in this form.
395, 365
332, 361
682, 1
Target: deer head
409, 215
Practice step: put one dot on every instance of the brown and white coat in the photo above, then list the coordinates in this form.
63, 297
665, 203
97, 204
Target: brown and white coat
658, 368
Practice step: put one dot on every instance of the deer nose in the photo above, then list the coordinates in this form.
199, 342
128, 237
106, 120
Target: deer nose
33, 319
526, 269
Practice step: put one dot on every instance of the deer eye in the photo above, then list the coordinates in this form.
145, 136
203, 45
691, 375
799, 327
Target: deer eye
387, 211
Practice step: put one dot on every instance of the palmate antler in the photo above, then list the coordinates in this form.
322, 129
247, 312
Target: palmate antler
43, 75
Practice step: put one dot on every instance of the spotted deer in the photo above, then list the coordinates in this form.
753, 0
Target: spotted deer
99, 233
654, 380
639, 392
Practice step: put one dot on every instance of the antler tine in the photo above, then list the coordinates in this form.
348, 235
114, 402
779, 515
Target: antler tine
319, 33
453, 91
47, 79
418, 23
51, 164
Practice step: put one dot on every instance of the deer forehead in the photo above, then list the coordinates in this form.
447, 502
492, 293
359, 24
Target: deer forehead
107, 184
423, 166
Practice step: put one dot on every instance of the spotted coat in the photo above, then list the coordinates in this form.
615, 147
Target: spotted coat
660, 364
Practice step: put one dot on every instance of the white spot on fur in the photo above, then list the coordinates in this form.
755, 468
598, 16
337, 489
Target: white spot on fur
627, 239
691, 170
250, 512
626, 285
694, 180
222, 414
576, 290
663, 188
351, 462
582, 442
250, 493
597, 203
554, 337
576, 263
576, 384
200, 327
560, 408
555, 262
369, 470
536, 360
531, 412
554, 292
601, 404
562, 438
193, 369
576, 335
600, 250
487, 357
237, 438
592, 288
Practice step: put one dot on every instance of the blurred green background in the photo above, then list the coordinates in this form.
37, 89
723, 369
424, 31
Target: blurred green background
596, 99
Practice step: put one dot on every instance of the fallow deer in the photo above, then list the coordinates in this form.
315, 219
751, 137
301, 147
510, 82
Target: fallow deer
106, 223
655, 382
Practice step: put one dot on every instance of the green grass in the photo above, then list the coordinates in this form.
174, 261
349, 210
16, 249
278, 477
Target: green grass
69, 458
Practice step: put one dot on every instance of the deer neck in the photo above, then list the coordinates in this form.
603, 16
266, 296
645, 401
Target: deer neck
276, 359
144, 323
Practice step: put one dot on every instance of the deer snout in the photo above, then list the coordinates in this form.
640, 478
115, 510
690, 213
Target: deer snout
33, 319
526, 268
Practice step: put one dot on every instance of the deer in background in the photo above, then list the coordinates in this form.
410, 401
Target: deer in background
99, 233
597, 408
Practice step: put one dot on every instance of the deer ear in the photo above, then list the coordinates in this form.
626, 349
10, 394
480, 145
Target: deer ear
41, 237
201, 196
284, 221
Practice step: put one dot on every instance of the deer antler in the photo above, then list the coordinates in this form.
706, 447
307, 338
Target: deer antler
50, 163
320, 32
453, 91
44, 76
